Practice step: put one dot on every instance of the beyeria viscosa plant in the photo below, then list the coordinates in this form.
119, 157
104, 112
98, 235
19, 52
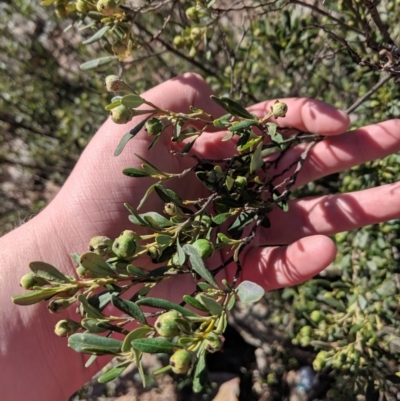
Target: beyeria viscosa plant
243, 189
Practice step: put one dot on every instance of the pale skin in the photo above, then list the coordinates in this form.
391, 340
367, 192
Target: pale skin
36, 365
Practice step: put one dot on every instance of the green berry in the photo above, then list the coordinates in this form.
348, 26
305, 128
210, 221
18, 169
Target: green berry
101, 245
166, 325
125, 245
82, 6
106, 7
181, 361
179, 42
154, 126
192, 14
204, 247
28, 281
316, 316
67, 327
122, 114
279, 109
213, 342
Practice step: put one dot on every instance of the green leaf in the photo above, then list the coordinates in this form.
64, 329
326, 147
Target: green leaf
213, 306
150, 219
113, 373
132, 101
48, 272
221, 218
241, 221
113, 105
90, 310
222, 122
198, 265
146, 195
130, 308
195, 303
168, 195
90, 324
34, 297
256, 159
249, 292
204, 286
139, 332
200, 373
232, 107
164, 304
97, 35
181, 254
275, 136
231, 303
154, 345
188, 146
96, 264
134, 172
241, 125
98, 62
128, 136
93, 344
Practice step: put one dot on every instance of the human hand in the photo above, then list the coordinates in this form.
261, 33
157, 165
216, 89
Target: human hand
91, 203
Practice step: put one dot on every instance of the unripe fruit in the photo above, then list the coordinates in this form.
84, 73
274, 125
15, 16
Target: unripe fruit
241, 182
179, 42
61, 11
122, 114
306, 331
181, 361
101, 245
153, 126
166, 325
279, 109
125, 245
204, 247
213, 342
316, 316
106, 7
67, 327
114, 83
60, 304
82, 6
196, 33
120, 49
28, 281
192, 14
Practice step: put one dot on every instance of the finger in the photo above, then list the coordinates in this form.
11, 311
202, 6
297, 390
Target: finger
332, 214
339, 153
308, 115
276, 267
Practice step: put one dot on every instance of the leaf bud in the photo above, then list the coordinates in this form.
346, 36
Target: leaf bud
181, 361
154, 126
106, 7
101, 245
125, 245
28, 281
204, 247
279, 109
114, 83
166, 325
213, 342
59, 304
67, 327
122, 114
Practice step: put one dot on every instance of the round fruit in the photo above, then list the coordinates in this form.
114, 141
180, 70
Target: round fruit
181, 361
166, 325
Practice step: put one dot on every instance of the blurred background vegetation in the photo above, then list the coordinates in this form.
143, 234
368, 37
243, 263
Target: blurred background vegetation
344, 322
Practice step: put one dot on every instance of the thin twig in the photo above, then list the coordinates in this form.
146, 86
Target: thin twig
363, 98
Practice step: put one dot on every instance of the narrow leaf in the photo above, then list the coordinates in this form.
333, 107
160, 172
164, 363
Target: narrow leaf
94, 344
97, 35
241, 125
34, 297
98, 62
112, 374
164, 304
96, 264
200, 374
130, 308
128, 136
195, 303
140, 332
213, 306
232, 107
198, 265
154, 345
146, 195
134, 172
132, 101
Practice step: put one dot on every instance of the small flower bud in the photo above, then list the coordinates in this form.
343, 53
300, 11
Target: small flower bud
107, 7
279, 109
59, 304
154, 126
204, 247
101, 245
166, 325
122, 114
154, 252
114, 83
181, 361
67, 327
125, 245
28, 281
213, 342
